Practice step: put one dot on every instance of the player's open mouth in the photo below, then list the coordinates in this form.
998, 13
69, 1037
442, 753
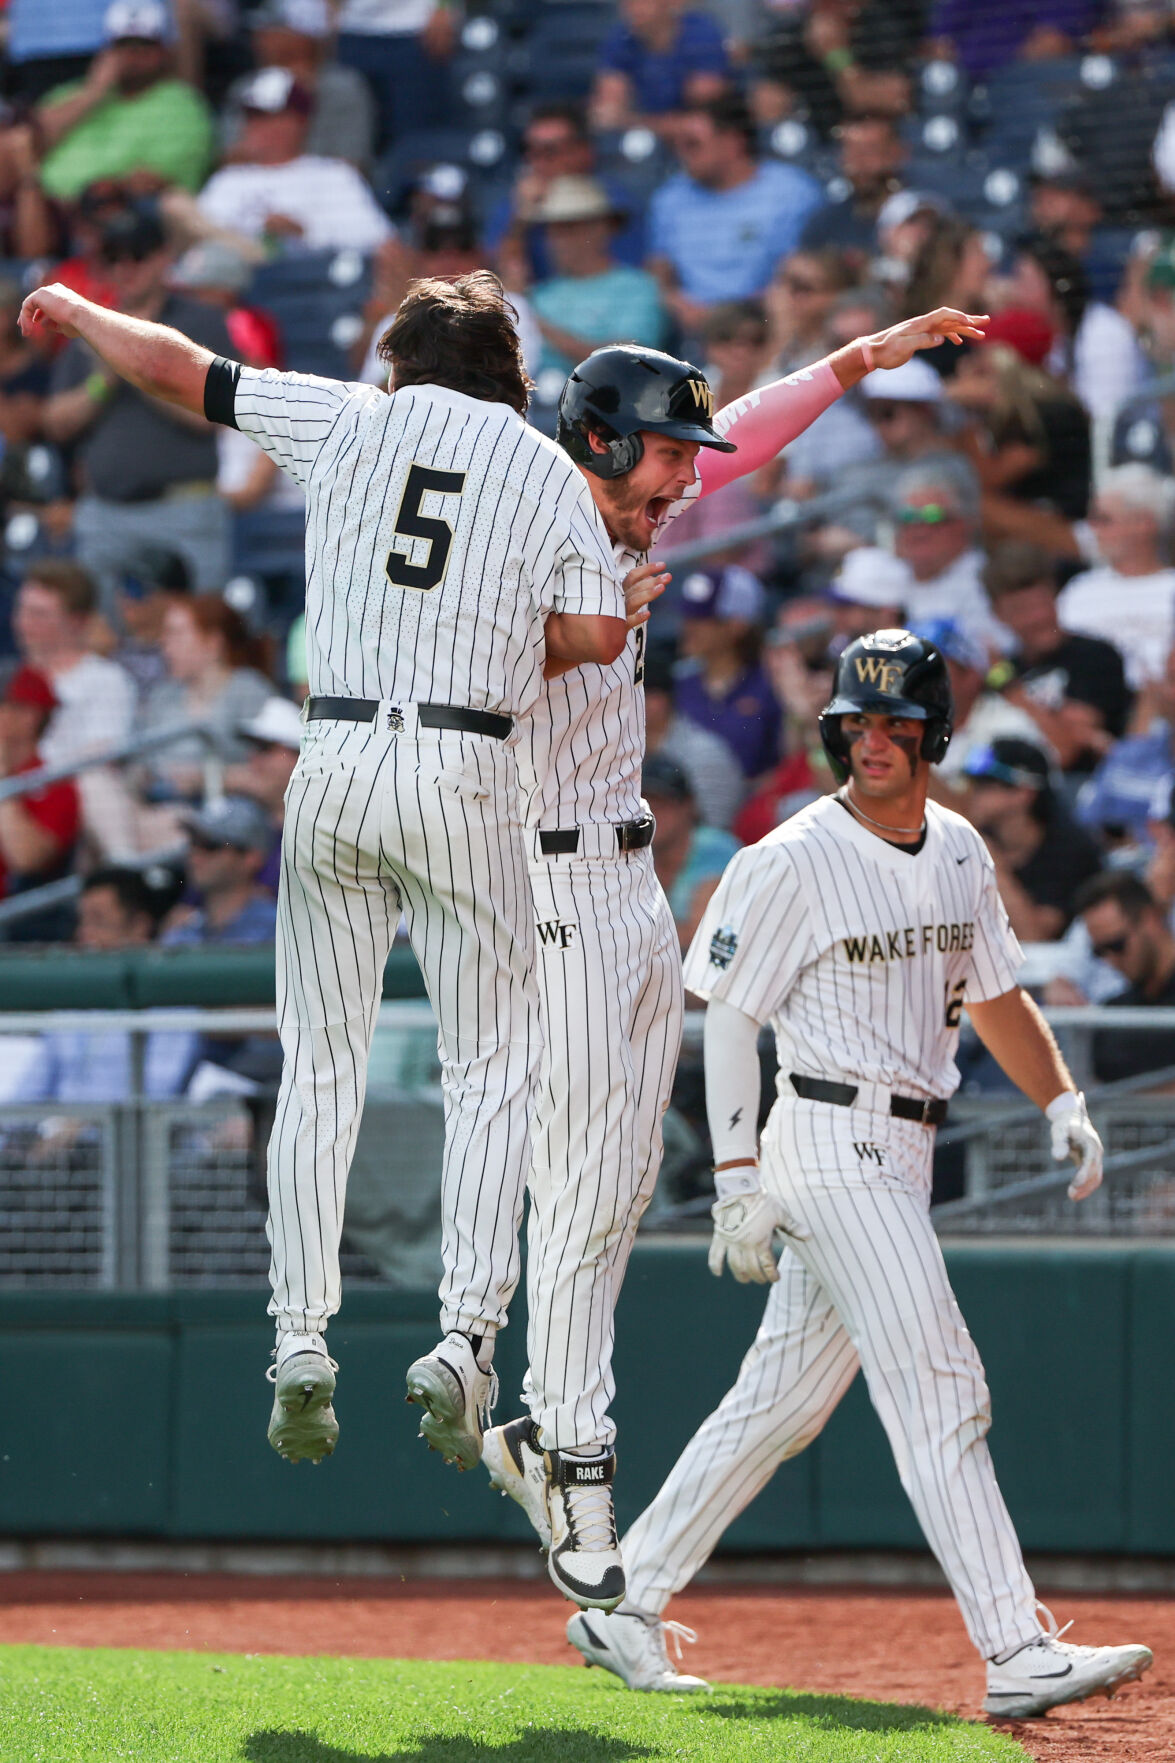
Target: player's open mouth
655, 508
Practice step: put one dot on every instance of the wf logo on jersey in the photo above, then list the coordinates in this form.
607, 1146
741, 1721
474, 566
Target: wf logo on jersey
870, 1154
554, 931
911, 940
723, 944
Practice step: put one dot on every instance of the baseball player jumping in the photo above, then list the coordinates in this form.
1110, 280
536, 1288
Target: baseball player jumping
860, 929
639, 425
452, 552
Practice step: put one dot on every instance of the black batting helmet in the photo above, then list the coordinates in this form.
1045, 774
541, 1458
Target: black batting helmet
889, 673
618, 391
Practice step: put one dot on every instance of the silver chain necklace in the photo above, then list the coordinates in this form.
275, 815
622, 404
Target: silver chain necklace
913, 831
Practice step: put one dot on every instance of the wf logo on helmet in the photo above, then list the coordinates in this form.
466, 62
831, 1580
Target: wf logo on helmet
703, 396
873, 670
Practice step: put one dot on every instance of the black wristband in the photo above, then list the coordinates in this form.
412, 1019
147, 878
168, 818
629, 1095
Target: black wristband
220, 392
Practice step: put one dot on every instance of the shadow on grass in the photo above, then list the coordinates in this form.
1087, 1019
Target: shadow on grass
551, 1745
834, 1713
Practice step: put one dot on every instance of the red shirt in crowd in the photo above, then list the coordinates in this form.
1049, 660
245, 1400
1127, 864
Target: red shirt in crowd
56, 808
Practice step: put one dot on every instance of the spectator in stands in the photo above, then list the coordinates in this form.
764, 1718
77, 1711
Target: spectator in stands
129, 115
274, 738
557, 143
904, 223
590, 299
275, 189
119, 908
726, 689
401, 47
1129, 598
142, 600
718, 228
1118, 801
715, 778
215, 677
871, 155
1028, 437
833, 59
907, 411
1096, 348
799, 657
799, 300
1128, 929
689, 856
230, 840
28, 225
657, 59
952, 264
38, 832
148, 469
981, 716
1041, 856
32, 473
296, 35
841, 437
937, 536
984, 40
52, 622
1073, 687
1062, 206
47, 45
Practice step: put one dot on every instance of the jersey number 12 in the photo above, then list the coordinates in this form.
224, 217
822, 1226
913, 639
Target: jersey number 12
412, 524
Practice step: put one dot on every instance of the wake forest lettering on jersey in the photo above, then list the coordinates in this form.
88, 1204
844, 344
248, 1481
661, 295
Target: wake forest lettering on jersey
905, 944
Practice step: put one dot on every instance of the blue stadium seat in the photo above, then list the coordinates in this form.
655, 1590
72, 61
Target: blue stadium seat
483, 154
317, 299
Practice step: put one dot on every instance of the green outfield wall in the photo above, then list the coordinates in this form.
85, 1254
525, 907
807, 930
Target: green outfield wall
144, 1415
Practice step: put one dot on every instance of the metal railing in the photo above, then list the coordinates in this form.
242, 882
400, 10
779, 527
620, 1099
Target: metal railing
135, 1192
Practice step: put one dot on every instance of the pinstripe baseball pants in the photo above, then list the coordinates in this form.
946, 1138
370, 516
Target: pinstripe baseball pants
862, 1283
610, 981
426, 823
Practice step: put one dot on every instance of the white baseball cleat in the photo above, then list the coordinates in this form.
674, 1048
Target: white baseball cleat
583, 1559
633, 1647
569, 1502
457, 1395
302, 1424
1049, 1672
518, 1467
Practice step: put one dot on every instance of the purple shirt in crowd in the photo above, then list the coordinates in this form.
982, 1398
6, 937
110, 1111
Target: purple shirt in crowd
986, 38
746, 717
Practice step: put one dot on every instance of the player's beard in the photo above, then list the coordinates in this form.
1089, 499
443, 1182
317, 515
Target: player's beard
624, 514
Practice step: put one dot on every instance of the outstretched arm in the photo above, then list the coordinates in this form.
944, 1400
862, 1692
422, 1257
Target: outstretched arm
763, 422
156, 359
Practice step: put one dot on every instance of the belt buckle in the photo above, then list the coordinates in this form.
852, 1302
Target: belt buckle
395, 724
924, 1115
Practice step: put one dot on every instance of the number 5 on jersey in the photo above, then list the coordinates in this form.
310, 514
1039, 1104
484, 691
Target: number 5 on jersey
412, 524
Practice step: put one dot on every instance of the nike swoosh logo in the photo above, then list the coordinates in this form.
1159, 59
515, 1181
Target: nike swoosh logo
960, 860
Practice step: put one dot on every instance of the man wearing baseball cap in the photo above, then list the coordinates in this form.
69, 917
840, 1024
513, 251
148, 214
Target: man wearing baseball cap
726, 690
129, 114
275, 738
276, 188
229, 840
1041, 856
296, 35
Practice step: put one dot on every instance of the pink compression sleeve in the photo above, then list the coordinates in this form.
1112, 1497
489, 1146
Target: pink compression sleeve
765, 421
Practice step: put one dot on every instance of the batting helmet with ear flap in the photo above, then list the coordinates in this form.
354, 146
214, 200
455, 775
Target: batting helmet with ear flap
889, 673
619, 391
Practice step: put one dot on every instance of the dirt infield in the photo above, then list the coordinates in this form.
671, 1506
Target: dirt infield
891, 1646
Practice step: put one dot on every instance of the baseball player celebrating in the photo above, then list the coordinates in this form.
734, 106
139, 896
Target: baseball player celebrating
639, 425
860, 929
452, 553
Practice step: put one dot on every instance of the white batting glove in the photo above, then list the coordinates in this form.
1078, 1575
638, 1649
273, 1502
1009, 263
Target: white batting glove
1075, 1136
744, 1226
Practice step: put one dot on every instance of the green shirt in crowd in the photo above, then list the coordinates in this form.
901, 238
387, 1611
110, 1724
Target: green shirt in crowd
166, 129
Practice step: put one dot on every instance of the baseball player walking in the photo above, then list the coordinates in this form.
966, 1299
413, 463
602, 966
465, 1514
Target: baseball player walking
638, 423
860, 929
453, 552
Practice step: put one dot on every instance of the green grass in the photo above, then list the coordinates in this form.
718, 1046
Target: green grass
67, 1705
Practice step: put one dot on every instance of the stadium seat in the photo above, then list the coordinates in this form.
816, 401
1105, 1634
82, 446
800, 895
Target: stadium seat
317, 300
483, 155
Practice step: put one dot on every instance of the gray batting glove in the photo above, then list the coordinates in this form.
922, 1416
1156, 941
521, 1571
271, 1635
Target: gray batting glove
744, 1226
1075, 1136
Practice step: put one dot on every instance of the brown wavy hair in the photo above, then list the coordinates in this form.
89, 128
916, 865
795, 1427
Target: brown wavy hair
460, 334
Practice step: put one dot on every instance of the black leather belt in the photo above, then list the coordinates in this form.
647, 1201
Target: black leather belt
931, 1112
633, 835
467, 722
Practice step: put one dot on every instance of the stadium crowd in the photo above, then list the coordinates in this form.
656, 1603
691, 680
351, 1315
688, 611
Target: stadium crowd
749, 184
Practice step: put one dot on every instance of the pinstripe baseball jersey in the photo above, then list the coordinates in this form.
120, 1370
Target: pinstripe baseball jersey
581, 752
861, 955
440, 529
